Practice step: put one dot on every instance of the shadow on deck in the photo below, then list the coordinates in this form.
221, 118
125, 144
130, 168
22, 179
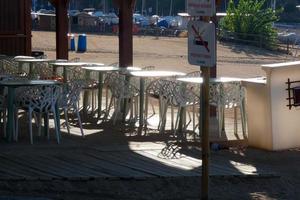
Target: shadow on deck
112, 161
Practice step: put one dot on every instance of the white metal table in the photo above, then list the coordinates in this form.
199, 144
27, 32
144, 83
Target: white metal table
101, 70
31, 61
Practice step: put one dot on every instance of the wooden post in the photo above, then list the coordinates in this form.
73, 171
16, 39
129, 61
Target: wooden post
125, 32
28, 27
125, 38
62, 25
205, 113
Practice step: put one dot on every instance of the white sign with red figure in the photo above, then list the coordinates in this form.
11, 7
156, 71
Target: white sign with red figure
201, 43
201, 7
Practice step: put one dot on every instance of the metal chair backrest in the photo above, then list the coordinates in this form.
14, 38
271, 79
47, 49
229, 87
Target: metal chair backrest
232, 94
38, 98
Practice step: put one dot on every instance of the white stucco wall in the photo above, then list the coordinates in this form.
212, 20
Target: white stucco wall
285, 122
271, 125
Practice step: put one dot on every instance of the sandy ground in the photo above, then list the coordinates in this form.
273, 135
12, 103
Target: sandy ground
168, 53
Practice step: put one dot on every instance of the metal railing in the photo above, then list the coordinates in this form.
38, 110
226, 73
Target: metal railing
259, 40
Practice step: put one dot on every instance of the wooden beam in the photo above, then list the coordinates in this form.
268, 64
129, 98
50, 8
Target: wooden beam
62, 25
53, 2
28, 28
125, 32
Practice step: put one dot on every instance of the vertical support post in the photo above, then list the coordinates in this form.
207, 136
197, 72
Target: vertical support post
213, 70
62, 29
28, 27
125, 38
205, 113
125, 33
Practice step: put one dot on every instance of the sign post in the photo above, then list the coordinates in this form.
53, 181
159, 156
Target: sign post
202, 51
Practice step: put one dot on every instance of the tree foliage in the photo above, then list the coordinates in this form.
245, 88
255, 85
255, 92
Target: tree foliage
251, 20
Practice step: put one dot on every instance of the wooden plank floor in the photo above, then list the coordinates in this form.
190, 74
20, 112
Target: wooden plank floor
110, 151
135, 160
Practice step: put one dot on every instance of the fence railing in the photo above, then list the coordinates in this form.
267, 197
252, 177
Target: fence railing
261, 41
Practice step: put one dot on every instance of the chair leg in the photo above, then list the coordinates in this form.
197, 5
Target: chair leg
177, 121
194, 118
172, 118
190, 119
16, 135
243, 118
39, 124
235, 121
146, 111
108, 109
130, 106
47, 118
56, 123
117, 111
30, 125
93, 101
161, 108
163, 119
106, 99
221, 119
79, 121
67, 120
4, 123
136, 104
1, 118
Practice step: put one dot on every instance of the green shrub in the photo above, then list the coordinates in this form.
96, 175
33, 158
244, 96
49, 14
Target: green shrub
251, 21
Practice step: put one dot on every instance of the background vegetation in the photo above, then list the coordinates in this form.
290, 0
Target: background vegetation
251, 21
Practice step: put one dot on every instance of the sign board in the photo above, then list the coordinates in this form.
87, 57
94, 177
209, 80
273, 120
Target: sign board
201, 7
201, 43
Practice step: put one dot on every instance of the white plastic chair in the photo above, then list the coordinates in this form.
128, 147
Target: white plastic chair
37, 99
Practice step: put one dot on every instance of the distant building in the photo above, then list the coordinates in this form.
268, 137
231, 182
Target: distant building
46, 22
84, 19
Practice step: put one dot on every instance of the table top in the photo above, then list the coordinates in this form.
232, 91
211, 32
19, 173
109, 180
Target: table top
191, 79
131, 68
23, 57
222, 79
75, 64
19, 83
285, 64
32, 60
155, 73
101, 68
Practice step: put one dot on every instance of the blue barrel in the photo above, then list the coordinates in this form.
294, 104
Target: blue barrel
71, 42
81, 47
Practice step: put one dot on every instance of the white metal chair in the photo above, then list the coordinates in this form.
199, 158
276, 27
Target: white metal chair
10, 67
155, 89
37, 99
68, 101
232, 96
89, 85
121, 90
178, 95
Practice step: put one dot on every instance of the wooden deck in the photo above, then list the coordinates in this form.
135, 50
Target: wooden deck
136, 160
110, 151
114, 162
